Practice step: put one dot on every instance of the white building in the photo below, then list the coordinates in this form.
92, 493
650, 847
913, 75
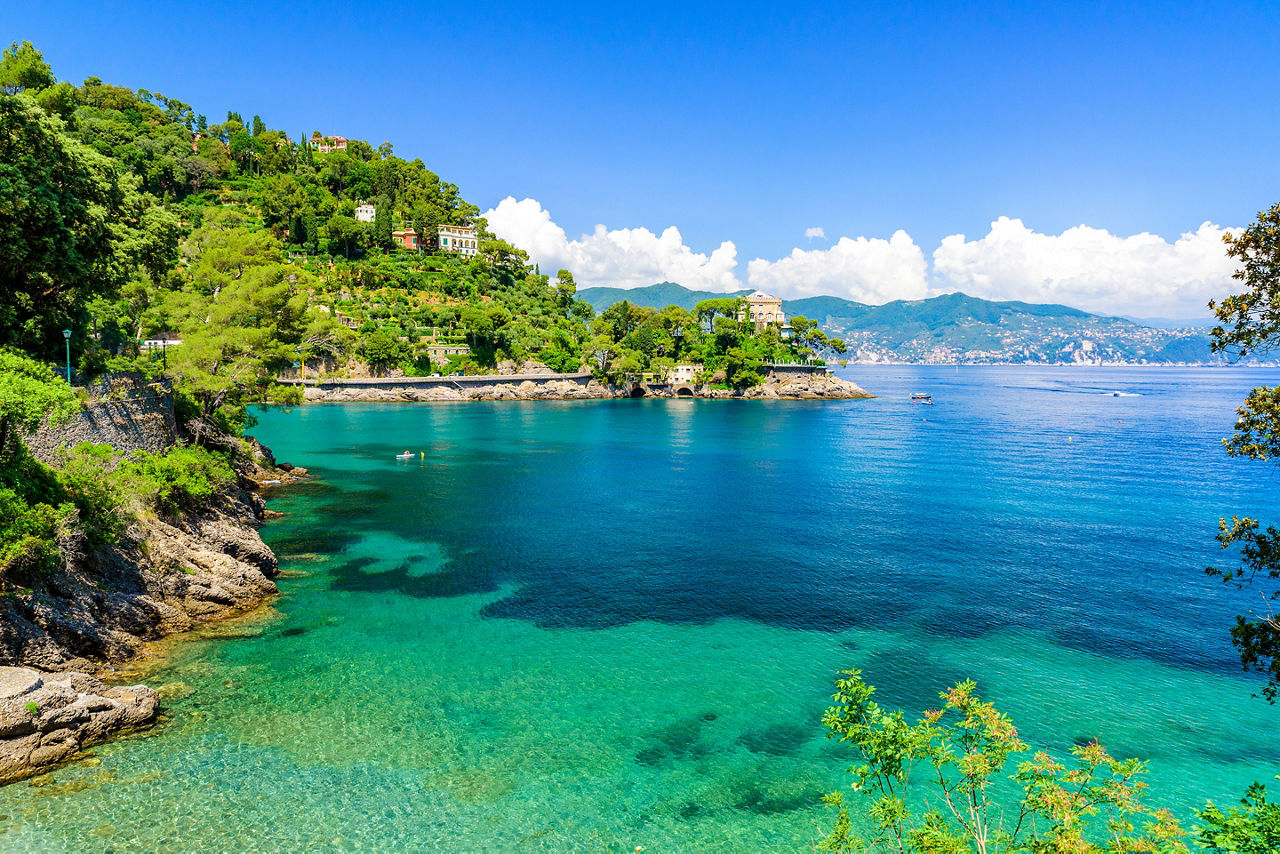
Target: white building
682, 373
457, 240
365, 213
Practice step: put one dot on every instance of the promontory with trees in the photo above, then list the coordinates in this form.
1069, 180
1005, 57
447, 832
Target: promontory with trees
266, 255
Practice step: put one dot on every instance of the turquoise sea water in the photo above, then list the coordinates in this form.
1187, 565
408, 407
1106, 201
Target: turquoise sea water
597, 625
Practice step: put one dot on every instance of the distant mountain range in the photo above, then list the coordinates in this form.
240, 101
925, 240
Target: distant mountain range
956, 328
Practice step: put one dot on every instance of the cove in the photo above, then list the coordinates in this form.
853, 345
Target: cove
601, 624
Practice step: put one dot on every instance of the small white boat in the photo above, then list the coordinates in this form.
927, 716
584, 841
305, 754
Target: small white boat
405, 456
922, 397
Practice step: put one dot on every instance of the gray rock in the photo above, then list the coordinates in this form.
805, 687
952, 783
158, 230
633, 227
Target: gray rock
61, 715
16, 681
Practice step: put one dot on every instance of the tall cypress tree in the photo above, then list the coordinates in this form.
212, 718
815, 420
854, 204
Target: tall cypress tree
382, 223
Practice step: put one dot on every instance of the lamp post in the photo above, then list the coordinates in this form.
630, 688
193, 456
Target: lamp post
66, 334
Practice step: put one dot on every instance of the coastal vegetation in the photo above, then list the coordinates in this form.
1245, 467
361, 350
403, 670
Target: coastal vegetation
954, 761
960, 779
94, 492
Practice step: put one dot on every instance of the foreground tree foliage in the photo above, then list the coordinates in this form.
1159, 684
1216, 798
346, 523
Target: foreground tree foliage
1251, 828
1250, 323
242, 314
941, 785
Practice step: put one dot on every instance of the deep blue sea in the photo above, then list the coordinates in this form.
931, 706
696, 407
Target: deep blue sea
600, 625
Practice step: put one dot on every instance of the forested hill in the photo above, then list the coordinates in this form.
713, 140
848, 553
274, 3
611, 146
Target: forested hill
960, 328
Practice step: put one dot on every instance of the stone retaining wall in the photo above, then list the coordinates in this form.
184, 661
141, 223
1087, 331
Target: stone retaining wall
124, 411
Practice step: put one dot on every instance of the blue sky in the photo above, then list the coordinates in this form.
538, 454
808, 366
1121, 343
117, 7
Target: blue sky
750, 123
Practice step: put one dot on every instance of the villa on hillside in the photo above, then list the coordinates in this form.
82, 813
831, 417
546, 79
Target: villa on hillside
457, 240
441, 353
675, 375
346, 320
406, 237
325, 144
763, 309
365, 212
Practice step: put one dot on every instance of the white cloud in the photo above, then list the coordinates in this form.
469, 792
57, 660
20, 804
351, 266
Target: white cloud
871, 270
623, 257
816, 231
1089, 268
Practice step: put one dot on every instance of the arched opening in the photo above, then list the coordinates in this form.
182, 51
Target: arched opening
637, 390
684, 391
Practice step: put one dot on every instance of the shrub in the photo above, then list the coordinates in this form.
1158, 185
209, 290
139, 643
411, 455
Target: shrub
89, 478
1093, 803
1252, 828
184, 479
29, 393
29, 533
283, 395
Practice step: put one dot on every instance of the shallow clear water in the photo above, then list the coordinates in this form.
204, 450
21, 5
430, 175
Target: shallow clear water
597, 625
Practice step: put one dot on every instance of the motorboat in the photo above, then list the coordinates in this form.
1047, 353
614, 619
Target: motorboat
407, 455
922, 397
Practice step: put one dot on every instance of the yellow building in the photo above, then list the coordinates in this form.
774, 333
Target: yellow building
763, 309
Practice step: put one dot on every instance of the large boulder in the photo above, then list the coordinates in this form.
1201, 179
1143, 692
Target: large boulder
46, 718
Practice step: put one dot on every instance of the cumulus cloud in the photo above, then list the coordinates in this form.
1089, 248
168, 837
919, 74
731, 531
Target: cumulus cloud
871, 270
1089, 268
622, 257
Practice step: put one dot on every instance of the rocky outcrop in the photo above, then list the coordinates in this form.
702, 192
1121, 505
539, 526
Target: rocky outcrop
46, 718
162, 577
814, 386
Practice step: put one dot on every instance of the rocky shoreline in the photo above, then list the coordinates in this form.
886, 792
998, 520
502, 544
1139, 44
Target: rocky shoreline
805, 385
102, 606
